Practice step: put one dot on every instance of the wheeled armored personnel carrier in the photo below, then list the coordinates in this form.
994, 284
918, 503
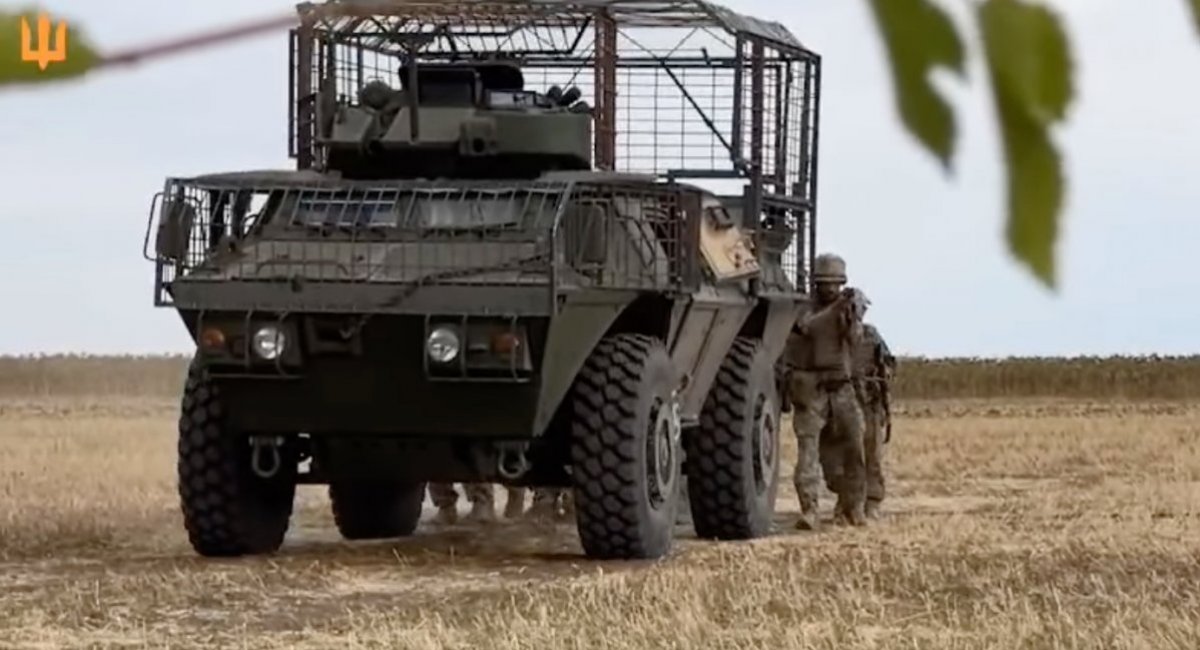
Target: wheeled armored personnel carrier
534, 243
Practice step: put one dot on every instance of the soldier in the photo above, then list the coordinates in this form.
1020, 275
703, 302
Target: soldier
874, 366
445, 497
549, 503
514, 506
820, 353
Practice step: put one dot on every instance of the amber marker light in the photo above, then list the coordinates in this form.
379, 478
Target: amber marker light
505, 343
212, 339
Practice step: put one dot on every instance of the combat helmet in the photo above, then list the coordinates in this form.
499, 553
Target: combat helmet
829, 268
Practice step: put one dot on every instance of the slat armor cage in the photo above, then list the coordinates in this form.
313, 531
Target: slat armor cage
683, 89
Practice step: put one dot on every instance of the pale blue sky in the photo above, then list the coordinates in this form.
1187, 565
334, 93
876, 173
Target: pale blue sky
924, 246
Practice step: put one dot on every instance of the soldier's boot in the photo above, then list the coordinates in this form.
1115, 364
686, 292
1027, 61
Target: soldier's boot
856, 515
567, 508
515, 506
808, 519
850, 512
482, 512
543, 508
447, 515
872, 509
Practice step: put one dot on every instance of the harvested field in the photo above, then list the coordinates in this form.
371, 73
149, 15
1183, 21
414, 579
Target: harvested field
1030, 521
1085, 378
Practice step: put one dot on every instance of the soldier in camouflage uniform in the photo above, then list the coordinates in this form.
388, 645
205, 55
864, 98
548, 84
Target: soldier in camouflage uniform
514, 506
874, 366
820, 360
445, 497
550, 503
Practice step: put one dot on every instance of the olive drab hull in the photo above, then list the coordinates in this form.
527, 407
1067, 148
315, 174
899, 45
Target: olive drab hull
360, 297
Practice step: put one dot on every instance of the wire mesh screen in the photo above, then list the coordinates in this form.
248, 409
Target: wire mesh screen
415, 234
675, 87
405, 234
624, 237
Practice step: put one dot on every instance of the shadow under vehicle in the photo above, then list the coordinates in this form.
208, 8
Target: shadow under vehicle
531, 243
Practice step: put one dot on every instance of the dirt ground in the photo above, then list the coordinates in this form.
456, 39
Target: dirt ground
1035, 524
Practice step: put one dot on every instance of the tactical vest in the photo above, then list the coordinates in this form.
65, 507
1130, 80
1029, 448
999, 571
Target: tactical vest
822, 347
865, 362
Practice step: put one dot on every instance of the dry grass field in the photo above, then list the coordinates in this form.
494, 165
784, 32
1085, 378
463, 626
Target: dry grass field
1034, 504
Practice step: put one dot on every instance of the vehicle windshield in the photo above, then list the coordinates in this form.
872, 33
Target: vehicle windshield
476, 213
425, 211
357, 212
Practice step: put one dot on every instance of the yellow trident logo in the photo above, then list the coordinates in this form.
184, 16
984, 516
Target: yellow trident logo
46, 53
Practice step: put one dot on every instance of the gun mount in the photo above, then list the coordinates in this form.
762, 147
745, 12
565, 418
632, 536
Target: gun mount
471, 119
536, 242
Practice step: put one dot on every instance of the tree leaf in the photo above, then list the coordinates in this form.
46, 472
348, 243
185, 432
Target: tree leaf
1029, 62
919, 38
1195, 12
80, 55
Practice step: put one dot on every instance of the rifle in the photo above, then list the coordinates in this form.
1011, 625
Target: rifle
885, 390
886, 399
858, 302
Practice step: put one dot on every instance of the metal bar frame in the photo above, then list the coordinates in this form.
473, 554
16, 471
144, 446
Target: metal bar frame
782, 159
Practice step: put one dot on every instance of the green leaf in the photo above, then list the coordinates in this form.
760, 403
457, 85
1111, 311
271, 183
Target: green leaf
1029, 62
920, 38
80, 56
1195, 12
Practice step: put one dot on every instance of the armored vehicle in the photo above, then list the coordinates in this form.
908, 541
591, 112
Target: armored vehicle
534, 243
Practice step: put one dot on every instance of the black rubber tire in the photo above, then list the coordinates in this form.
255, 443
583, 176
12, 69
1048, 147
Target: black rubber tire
227, 509
615, 400
732, 486
376, 510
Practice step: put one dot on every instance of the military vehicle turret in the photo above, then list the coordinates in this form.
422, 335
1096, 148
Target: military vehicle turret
533, 243
468, 119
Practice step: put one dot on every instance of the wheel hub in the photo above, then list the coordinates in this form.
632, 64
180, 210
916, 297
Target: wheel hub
662, 452
765, 434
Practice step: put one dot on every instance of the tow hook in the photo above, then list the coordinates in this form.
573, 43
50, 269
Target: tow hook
272, 444
512, 464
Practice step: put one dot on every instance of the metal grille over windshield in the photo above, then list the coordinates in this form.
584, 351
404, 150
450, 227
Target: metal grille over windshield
457, 209
404, 232
598, 235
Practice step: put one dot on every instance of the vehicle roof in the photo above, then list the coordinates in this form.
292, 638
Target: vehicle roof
345, 15
269, 179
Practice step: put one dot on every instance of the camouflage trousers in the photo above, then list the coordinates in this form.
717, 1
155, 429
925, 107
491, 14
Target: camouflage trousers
875, 444
829, 413
548, 501
444, 495
834, 450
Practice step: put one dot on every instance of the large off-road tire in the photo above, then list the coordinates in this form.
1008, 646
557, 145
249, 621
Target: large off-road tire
228, 510
732, 458
376, 510
625, 449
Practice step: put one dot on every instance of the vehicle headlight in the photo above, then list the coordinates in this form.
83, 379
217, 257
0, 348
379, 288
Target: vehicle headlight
269, 342
443, 345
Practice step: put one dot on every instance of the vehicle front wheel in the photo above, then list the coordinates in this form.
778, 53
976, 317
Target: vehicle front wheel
625, 449
228, 509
